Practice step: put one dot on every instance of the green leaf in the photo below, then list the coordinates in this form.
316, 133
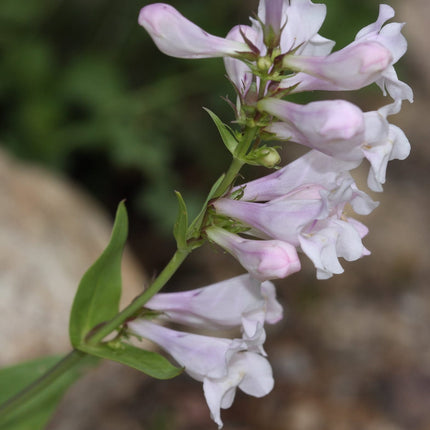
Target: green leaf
99, 292
181, 224
225, 132
148, 362
194, 229
35, 413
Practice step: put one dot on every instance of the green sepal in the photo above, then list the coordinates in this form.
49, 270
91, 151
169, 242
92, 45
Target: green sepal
181, 225
99, 292
195, 226
227, 135
35, 413
148, 362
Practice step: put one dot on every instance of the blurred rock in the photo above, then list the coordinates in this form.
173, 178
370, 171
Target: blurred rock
51, 232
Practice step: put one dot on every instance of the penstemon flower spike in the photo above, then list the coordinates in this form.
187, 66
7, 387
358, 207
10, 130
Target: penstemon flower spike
300, 208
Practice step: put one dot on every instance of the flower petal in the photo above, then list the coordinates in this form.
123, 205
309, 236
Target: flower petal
178, 37
263, 259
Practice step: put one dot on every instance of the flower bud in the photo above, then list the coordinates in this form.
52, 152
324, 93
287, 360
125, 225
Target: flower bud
267, 157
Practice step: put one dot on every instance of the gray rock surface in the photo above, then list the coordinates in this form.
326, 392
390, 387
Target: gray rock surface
50, 233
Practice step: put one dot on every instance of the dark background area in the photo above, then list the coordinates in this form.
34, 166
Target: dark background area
84, 91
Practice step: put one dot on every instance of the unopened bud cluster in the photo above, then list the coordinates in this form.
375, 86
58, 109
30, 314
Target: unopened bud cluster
301, 208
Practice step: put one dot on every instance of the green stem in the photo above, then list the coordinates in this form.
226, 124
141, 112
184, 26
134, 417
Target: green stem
237, 163
229, 177
247, 139
137, 304
75, 357
69, 361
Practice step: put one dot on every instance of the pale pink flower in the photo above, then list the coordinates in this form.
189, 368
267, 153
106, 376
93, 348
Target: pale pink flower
223, 365
390, 36
335, 127
241, 301
309, 216
383, 142
353, 67
327, 240
297, 21
339, 129
248, 371
347, 71
281, 218
178, 37
313, 168
263, 259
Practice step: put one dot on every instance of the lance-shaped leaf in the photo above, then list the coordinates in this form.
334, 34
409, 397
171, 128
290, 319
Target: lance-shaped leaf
225, 132
181, 225
148, 362
35, 413
99, 292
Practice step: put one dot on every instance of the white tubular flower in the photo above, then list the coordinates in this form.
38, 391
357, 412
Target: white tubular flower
370, 58
390, 36
281, 218
284, 218
353, 67
308, 216
383, 142
312, 168
237, 302
263, 259
327, 240
248, 371
176, 36
284, 20
223, 365
334, 127
339, 129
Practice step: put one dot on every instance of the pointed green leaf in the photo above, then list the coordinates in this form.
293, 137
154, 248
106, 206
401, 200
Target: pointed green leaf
35, 413
197, 223
148, 362
99, 291
181, 224
225, 132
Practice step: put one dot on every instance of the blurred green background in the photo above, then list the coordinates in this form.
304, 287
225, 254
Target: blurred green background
84, 91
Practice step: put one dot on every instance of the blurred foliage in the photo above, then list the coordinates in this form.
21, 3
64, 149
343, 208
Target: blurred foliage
83, 90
